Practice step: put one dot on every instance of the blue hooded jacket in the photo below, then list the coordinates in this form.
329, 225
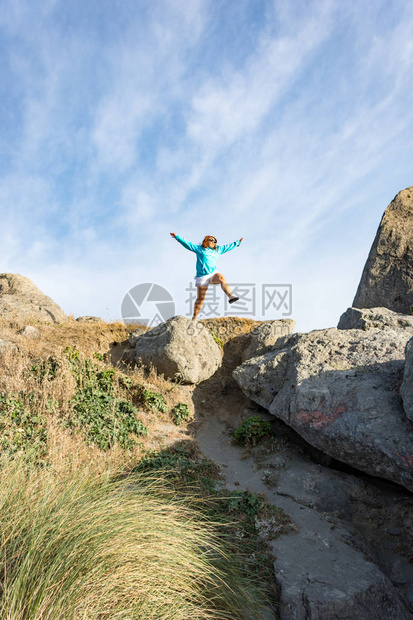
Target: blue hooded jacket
206, 258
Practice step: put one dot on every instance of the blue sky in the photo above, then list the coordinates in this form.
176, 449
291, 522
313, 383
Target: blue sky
287, 123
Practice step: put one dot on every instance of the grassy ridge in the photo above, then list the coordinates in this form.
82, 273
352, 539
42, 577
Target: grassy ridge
97, 518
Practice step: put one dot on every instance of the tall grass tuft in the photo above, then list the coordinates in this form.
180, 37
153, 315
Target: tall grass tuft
83, 546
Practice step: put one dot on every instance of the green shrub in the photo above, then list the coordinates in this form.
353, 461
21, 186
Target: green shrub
180, 413
244, 501
46, 369
20, 427
252, 431
102, 417
154, 401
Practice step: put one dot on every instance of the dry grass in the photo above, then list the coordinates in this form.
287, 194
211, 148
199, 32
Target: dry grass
75, 544
89, 338
81, 546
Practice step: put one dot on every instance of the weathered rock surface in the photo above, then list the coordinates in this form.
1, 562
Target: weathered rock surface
380, 318
380, 513
227, 328
339, 389
30, 332
321, 575
267, 335
322, 570
180, 349
20, 298
406, 389
133, 337
387, 278
6, 346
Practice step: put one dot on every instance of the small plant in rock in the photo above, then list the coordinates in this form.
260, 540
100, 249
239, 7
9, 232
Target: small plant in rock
154, 401
411, 310
180, 413
217, 340
252, 431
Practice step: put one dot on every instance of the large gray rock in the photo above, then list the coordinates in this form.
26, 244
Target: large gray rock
380, 318
406, 389
321, 575
20, 298
387, 278
339, 389
268, 335
323, 569
180, 349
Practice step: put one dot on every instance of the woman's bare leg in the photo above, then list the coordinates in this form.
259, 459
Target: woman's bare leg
219, 279
202, 291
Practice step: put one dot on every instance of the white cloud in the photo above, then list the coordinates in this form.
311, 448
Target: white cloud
298, 143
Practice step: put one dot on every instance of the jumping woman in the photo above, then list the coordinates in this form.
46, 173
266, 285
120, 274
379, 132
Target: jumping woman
206, 272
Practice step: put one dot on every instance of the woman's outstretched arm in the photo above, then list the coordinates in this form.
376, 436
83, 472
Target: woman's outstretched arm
187, 244
221, 249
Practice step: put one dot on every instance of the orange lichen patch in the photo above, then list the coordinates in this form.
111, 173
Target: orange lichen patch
406, 459
319, 418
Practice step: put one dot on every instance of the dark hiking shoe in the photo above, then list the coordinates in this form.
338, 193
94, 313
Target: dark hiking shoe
233, 300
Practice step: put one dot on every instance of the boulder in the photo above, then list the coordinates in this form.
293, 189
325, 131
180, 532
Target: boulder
133, 337
339, 389
30, 332
20, 298
387, 278
406, 389
180, 349
268, 335
380, 318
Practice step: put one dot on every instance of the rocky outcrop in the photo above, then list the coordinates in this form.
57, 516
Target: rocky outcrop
323, 569
339, 389
380, 318
406, 389
20, 298
267, 335
387, 278
180, 349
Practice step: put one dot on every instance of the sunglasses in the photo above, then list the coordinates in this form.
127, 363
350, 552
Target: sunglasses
212, 239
